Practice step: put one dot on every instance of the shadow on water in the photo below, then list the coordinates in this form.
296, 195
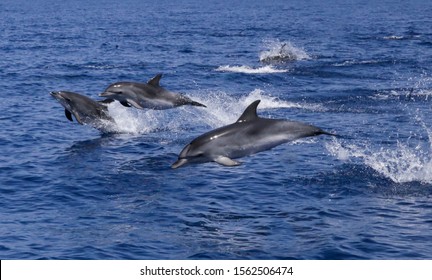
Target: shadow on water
90, 145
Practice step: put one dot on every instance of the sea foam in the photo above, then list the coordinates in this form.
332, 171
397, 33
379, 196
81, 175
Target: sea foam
250, 70
222, 109
401, 162
282, 51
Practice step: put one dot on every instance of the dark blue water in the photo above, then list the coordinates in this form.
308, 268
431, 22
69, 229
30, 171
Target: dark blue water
361, 69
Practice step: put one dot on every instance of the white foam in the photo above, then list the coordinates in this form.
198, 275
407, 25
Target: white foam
402, 163
134, 121
250, 70
393, 37
278, 51
356, 62
222, 109
400, 37
417, 87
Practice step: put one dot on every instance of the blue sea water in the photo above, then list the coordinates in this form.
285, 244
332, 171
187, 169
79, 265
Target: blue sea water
361, 69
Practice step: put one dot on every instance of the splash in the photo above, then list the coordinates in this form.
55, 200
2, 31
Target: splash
285, 51
403, 93
134, 121
417, 88
250, 70
401, 37
393, 37
402, 163
358, 62
222, 109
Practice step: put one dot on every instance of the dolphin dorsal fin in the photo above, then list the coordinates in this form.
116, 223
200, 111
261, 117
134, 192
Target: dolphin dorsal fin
155, 80
250, 113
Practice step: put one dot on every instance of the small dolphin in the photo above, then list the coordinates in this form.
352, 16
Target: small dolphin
86, 110
250, 134
150, 95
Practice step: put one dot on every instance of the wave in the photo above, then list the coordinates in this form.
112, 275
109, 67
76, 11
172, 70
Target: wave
409, 94
284, 51
393, 37
417, 88
402, 163
250, 70
222, 109
362, 62
401, 37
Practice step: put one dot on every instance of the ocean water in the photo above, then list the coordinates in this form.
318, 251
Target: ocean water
360, 69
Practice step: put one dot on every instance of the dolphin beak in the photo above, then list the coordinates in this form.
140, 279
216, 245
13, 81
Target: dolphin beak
56, 94
179, 163
105, 93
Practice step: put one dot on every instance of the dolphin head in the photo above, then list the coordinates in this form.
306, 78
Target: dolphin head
124, 92
116, 91
84, 109
190, 154
65, 98
183, 157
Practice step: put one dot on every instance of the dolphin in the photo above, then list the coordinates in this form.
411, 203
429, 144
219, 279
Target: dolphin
148, 95
250, 134
85, 110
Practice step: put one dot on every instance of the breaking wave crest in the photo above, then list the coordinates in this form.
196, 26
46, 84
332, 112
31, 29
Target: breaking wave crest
222, 109
284, 51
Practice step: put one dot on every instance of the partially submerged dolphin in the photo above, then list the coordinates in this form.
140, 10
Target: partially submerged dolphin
84, 109
250, 134
148, 95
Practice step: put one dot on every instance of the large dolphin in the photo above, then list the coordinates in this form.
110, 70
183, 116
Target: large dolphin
148, 95
85, 110
250, 134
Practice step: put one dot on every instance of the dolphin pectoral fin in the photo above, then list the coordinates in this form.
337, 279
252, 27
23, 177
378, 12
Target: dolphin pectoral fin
124, 103
68, 115
226, 161
133, 103
179, 163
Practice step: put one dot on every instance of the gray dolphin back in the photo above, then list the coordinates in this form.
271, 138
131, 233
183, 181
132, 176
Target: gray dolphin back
250, 134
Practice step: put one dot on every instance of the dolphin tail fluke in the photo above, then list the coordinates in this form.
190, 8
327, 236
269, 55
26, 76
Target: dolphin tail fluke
179, 163
329, 133
194, 103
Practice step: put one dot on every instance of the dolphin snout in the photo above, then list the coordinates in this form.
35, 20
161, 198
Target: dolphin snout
105, 93
60, 95
56, 94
